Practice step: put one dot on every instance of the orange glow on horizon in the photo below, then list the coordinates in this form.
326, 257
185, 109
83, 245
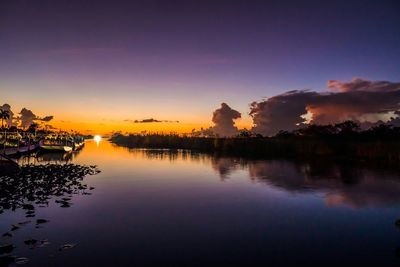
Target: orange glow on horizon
93, 118
105, 127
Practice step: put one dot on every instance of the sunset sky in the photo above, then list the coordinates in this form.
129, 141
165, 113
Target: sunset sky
99, 65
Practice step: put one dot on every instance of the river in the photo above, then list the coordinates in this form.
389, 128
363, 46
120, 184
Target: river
177, 208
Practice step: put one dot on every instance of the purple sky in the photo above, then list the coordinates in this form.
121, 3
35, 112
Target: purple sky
178, 60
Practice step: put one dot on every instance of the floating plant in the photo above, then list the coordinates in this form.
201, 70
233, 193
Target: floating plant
34, 186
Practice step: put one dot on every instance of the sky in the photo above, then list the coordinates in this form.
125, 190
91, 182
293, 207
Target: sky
97, 66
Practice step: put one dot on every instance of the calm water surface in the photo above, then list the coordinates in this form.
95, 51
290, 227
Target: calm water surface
158, 207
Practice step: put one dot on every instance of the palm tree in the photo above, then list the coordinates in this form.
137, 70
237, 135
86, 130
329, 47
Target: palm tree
33, 127
4, 115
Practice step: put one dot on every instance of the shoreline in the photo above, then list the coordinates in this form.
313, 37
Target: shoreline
380, 152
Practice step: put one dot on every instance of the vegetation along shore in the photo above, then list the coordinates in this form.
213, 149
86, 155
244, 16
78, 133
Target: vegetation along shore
340, 141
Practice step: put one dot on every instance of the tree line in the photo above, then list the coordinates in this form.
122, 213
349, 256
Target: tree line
343, 141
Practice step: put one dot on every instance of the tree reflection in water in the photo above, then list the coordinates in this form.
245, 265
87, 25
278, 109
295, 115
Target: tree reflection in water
340, 183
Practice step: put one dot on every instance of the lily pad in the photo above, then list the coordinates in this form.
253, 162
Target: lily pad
66, 247
30, 242
24, 223
7, 260
6, 249
14, 227
28, 207
40, 221
7, 235
21, 260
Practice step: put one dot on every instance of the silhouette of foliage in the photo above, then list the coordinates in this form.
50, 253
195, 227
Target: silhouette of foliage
342, 140
4, 115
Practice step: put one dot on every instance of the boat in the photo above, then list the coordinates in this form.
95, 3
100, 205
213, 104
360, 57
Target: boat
14, 143
58, 142
79, 142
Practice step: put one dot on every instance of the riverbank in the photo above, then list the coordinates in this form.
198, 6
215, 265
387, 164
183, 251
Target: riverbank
385, 150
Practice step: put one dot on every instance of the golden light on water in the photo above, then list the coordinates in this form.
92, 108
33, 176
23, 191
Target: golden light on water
97, 139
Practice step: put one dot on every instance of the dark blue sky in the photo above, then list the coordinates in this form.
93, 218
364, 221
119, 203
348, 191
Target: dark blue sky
194, 53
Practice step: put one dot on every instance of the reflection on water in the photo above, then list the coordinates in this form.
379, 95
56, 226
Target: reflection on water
178, 207
342, 183
41, 179
44, 157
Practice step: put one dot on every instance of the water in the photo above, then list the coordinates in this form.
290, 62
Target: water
152, 207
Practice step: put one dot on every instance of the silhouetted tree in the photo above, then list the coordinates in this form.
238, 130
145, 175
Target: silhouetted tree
314, 130
347, 127
4, 115
33, 127
244, 133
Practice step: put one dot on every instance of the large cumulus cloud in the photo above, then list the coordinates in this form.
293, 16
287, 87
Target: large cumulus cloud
223, 118
357, 100
27, 117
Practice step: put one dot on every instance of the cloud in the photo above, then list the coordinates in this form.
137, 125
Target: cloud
27, 117
223, 118
47, 118
358, 84
149, 121
51, 127
358, 100
281, 112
